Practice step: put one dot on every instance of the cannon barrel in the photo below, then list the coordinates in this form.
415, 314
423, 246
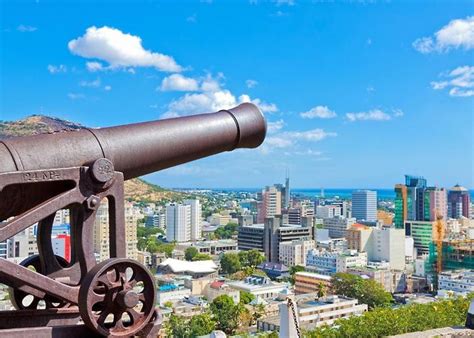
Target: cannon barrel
142, 148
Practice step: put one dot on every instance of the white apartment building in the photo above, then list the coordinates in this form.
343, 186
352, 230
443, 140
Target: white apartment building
338, 226
178, 222
328, 263
196, 221
455, 283
295, 252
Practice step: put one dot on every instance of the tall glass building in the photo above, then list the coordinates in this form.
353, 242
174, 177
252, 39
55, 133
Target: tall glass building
364, 205
401, 206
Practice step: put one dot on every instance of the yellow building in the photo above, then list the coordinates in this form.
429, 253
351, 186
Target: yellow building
309, 282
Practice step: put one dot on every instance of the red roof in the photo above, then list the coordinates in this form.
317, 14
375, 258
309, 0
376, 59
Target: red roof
217, 284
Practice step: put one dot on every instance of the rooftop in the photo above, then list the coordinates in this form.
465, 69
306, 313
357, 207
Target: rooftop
179, 266
314, 275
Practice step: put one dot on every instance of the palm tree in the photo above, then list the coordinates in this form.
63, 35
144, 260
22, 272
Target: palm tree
321, 290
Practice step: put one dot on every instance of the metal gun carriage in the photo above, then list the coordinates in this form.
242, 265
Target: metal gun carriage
77, 170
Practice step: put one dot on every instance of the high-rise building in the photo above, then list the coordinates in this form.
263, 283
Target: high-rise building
434, 204
271, 203
458, 202
178, 222
328, 211
415, 189
364, 205
268, 236
401, 206
196, 222
422, 233
101, 234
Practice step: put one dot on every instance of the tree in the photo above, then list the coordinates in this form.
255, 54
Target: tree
190, 252
246, 297
177, 327
321, 290
230, 263
294, 269
202, 324
385, 321
226, 313
255, 257
202, 257
367, 292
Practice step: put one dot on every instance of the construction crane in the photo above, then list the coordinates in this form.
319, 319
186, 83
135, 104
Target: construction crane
438, 236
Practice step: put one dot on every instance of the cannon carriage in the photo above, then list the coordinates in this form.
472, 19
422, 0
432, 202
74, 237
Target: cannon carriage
78, 170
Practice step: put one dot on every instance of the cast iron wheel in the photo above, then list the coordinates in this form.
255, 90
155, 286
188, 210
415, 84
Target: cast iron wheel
24, 301
117, 297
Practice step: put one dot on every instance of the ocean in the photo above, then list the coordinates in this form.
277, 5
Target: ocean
382, 194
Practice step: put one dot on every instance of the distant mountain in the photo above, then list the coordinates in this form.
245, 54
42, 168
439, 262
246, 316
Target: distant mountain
35, 124
135, 189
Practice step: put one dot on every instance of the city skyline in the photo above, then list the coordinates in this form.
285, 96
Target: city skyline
356, 94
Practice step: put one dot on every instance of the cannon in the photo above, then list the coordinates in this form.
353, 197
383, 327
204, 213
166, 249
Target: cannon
79, 170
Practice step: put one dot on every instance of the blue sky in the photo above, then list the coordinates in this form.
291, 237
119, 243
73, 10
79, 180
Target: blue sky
357, 93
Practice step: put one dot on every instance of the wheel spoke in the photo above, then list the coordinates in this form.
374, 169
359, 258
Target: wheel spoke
96, 298
103, 317
134, 315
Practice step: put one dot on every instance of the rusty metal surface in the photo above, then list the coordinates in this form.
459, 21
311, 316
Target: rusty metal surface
78, 170
141, 148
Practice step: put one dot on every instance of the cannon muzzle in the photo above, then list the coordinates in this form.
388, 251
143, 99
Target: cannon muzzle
142, 148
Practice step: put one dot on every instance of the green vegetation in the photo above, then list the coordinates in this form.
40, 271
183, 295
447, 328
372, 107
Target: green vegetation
293, 270
244, 261
246, 297
227, 231
226, 313
202, 257
190, 252
199, 325
230, 263
382, 322
366, 291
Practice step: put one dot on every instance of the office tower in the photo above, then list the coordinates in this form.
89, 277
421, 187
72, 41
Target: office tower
401, 207
196, 223
286, 195
422, 233
328, 211
434, 204
267, 237
364, 205
271, 203
178, 222
416, 186
338, 226
458, 202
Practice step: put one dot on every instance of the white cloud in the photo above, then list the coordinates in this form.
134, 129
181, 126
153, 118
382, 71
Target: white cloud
460, 82
91, 84
314, 135
309, 152
75, 96
57, 69
322, 112
458, 33
372, 115
370, 89
275, 126
285, 2
398, 112
26, 29
120, 50
178, 82
107, 88
94, 66
251, 83
290, 139
264, 107
210, 98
